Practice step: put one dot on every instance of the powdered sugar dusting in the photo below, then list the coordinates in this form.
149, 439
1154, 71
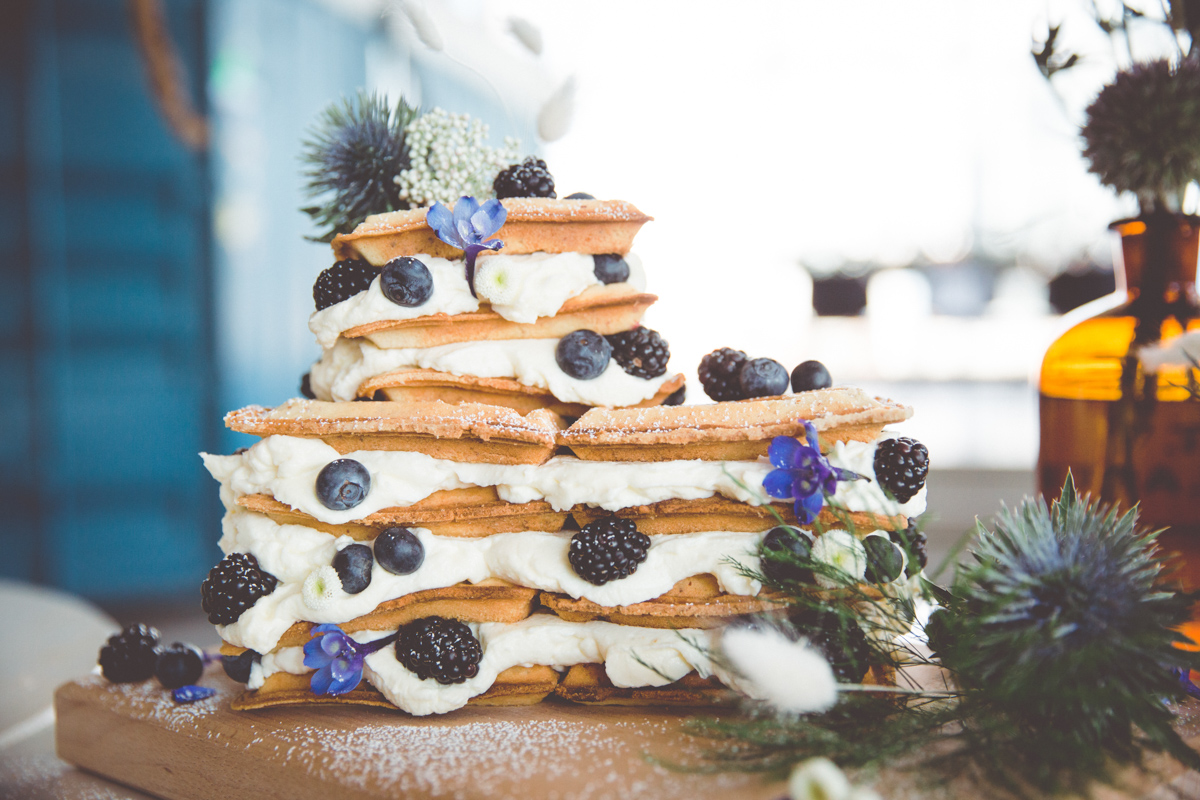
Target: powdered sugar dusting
500, 759
149, 700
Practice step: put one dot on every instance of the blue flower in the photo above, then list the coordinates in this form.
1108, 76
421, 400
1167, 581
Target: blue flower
1184, 676
338, 659
803, 474
190, 694
468, 228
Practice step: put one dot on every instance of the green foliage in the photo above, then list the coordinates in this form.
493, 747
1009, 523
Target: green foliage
1058, 646
353, 154
1140, 134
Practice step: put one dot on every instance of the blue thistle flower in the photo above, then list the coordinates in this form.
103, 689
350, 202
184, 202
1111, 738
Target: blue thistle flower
338, 659
468, 228
1062, 630
803, 474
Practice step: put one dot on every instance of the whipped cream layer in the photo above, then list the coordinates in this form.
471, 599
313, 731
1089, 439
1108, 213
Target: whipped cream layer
533, 559
286, 468
344, 367
632, 657
520, 288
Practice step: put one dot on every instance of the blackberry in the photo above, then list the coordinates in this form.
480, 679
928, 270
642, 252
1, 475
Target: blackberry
915, 543
719, 374
130, 655
342, 281
607, 549
439, 648
641, 352
233, 586
901, 466
841, 640
530, 178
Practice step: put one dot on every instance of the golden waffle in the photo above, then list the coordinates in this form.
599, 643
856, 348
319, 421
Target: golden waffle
722, 514
466, 432
515, 686
472, 512
695, 602
492, 600
533, 225
424, 385
603, 309
731, 431
589, 684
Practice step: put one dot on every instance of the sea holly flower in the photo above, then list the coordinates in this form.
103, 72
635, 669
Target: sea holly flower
468, 228
803, 474
338, 659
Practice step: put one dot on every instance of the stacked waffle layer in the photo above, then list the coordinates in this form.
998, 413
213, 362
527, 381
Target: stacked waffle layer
595, 562
408, 317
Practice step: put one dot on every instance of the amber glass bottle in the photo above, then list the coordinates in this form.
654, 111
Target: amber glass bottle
1127, 435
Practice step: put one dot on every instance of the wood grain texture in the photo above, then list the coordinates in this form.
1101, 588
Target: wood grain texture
135, 735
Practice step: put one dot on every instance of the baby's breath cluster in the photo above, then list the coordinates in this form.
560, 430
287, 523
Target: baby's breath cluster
448, 159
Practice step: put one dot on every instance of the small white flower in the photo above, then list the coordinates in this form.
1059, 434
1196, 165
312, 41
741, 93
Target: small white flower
794, 677
494, 283
320, 588
442, 167
820, 779
843, 550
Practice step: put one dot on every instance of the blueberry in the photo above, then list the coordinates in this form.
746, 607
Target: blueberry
784, 540
676, 397
583, 354
610, 268
885, 561
238, 667
810, 375
306, 386
399, 551
580, 196
353, 565
762, 377
178, 665
406, 281
343, 484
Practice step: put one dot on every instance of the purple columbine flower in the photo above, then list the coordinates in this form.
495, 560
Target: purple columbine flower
1184, 676
803, 474
338, 659
468, 228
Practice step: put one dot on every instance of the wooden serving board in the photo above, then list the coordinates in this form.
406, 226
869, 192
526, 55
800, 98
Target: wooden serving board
134, 734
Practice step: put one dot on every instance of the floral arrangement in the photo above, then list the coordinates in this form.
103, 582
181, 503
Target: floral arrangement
1139, 133
1056, 642
365, 156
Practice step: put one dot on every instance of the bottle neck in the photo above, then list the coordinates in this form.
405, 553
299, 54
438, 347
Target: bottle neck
1159, 255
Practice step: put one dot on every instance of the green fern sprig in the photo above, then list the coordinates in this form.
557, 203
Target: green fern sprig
353, 154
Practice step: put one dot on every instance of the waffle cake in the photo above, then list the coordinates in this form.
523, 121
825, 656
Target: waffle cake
491, 526
566, 266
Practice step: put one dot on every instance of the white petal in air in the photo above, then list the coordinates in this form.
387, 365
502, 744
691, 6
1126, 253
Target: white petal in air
1182, 351
526, 33
554, 120
794, 677
422, 23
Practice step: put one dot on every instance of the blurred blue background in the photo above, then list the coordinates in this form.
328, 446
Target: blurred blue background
899, 193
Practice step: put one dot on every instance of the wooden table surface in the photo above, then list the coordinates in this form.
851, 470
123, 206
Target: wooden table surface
135, 735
